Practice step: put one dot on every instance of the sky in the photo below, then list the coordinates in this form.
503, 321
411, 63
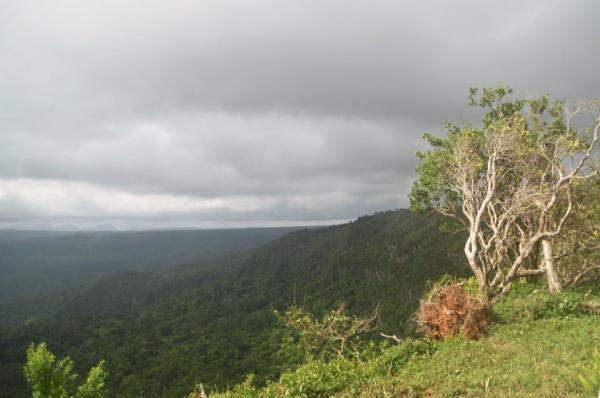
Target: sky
159, 114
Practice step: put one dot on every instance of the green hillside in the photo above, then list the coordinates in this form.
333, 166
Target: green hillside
539, 347
38, 263
161, 334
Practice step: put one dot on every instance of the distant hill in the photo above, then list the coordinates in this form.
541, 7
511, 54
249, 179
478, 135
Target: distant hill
162, 333
16, 235
38, 263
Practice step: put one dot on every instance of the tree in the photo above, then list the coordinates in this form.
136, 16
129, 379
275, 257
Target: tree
508, 183
49, 378
578, 254
562, 169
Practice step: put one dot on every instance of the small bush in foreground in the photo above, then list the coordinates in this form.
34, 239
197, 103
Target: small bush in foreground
335, 335
49, 378
321, 379
344, 376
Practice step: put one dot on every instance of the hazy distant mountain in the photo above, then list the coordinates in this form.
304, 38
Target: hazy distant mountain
14, 235
37, 263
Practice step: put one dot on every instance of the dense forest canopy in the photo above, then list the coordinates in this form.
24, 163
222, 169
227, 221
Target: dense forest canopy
38, 263
216, 325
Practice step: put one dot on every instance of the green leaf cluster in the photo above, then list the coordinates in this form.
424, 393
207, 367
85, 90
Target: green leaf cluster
52, 378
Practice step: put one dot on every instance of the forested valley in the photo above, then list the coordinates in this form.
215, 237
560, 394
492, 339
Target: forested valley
161, 333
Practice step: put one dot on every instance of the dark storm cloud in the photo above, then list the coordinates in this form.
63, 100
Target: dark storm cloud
258, 110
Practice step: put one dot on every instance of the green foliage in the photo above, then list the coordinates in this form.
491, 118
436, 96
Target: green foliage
319, 378
492, 99
468, 284
590, 380
524, 356
214, 323
579, 246
532, 301
38, 264
95, 383
49, 378
394, 358
507, 182
431, 190
335, 335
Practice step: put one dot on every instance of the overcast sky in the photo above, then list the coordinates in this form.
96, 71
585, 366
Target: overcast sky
151, 114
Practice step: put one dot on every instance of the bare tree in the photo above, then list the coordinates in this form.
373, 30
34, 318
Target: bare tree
508, 184
563, 161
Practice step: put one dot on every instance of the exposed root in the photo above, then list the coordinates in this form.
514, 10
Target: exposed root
451, 312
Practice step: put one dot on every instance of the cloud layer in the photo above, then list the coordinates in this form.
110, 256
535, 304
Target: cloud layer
258, 112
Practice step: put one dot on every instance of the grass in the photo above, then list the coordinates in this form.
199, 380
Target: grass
538, 347
539, 358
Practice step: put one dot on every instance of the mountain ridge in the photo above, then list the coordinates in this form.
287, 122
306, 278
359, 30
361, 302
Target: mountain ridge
41, 263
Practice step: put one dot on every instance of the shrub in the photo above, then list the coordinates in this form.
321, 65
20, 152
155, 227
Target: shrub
49, 378
532, 301
391, 360
320, 379
46, 376
346, 376
450, 311
335, 335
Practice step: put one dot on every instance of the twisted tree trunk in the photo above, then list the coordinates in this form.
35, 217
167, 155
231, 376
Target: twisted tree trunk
553, 282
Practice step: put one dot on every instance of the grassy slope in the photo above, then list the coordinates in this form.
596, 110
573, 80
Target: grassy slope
536, 349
